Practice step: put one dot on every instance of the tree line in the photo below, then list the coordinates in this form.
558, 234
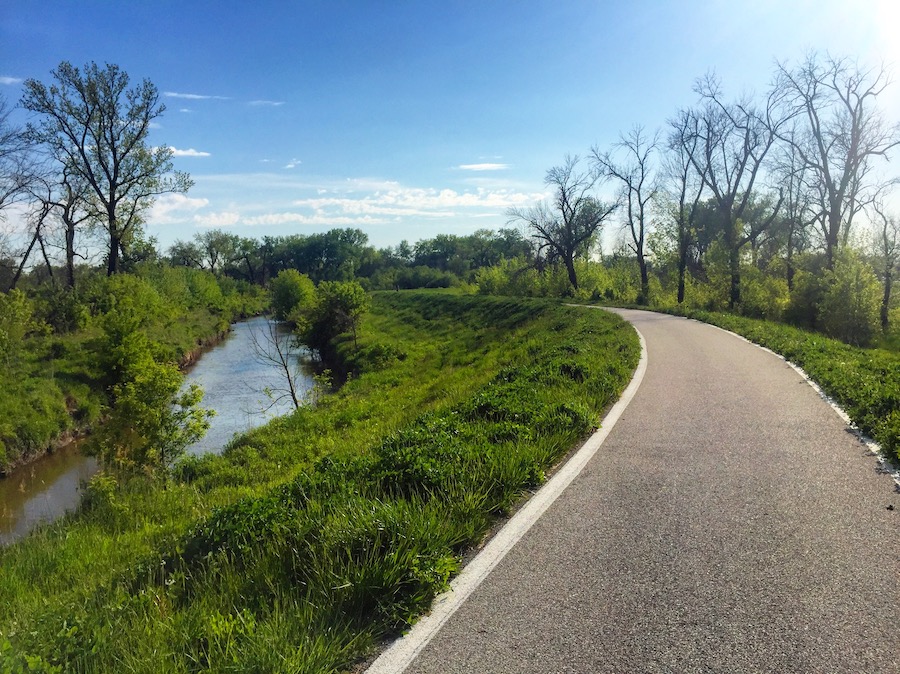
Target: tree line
737, 197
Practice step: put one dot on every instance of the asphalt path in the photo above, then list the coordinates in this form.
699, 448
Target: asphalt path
729, 522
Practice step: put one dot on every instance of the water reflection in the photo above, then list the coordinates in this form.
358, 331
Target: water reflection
42, 491
234, 382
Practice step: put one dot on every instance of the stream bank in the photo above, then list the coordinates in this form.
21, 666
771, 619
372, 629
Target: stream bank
234, 381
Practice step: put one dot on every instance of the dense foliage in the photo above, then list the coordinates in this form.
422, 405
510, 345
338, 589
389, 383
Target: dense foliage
70, 354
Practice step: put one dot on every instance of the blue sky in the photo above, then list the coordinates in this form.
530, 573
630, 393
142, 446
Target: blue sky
408, 119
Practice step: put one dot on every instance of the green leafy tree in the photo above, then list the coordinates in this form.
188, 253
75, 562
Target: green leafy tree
290, 290
152, 420
338, 308
97, 129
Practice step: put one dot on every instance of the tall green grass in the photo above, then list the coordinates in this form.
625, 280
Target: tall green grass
311, 539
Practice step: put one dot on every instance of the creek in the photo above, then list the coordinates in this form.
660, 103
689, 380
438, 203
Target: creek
234, 379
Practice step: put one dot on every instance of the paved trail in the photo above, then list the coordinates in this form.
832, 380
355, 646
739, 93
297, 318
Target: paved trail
729, 523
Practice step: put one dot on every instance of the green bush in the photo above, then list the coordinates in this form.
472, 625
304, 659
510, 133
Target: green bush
850, 304
762, 295
291, 291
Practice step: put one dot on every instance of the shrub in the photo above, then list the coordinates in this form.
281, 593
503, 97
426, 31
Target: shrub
849, 308
762, 295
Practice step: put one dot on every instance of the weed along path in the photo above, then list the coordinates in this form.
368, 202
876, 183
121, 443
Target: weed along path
729, 522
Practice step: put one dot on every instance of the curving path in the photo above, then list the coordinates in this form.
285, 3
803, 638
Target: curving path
728, 523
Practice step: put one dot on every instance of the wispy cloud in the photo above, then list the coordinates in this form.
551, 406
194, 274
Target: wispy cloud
354, 202
190, 152
194, 97
273, 104
316, 219
175, 208
220, 219
184, 110
483, 167
293, 163
10, 80
417, 202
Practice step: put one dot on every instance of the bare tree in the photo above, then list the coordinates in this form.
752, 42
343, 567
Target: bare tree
37, 221
276, 347
637, 188
65, 199
799, 211
16, 159
685, 185
97, 129
567, 225
733, 140
843, 132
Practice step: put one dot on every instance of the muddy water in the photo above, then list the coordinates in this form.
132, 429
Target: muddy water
234, 380
42, 491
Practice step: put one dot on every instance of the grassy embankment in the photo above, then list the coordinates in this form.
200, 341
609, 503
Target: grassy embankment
316, 536
864, 382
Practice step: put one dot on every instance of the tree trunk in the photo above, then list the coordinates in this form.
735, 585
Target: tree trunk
70, 254
112, 266
682, 262
645, 281
570, 269
790, 262
886, 300
46, 258
832, 239
21, 267
734, 265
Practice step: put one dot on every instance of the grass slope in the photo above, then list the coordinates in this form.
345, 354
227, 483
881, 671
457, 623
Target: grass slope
312, 538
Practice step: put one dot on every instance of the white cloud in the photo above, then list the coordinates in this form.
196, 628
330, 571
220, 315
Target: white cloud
184, 110
320, 219
273, 104
288, 200
293, 163
190, 152
419, 202
194, 97
155, 125
220, 219
174, 208
483, 167
11, 80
